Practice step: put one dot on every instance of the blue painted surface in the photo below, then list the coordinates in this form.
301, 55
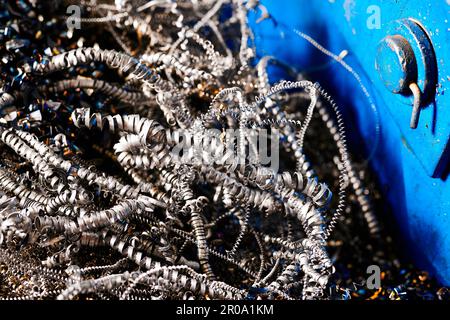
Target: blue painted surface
406, 160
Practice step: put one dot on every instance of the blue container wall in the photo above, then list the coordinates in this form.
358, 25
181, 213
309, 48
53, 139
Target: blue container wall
411, 165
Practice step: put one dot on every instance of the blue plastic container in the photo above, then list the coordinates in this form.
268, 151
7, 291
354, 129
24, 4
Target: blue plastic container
412, 165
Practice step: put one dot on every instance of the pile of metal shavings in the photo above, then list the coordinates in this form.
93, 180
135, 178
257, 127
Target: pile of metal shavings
95, 203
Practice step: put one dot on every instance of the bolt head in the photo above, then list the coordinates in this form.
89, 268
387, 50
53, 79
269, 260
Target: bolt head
396, 63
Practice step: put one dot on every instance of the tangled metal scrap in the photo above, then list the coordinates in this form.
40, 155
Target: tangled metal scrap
142, 224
